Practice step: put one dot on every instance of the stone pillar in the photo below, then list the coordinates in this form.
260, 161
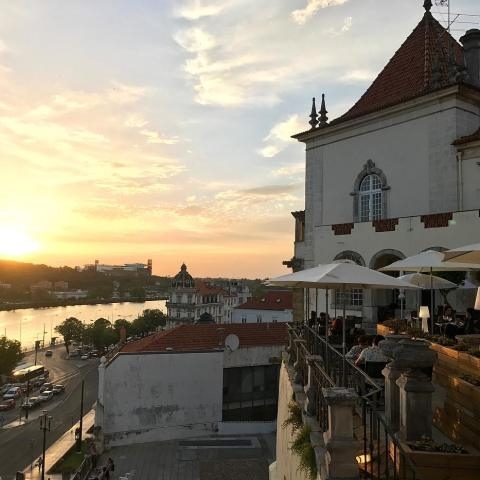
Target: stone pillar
339, 440
392, 373
310, 406
297, 366
411, 356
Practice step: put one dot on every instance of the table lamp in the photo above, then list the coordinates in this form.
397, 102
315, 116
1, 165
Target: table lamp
477, 300
424, 314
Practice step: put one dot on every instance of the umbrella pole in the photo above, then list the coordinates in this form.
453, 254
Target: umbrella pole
431, 302
344, 338
326, 315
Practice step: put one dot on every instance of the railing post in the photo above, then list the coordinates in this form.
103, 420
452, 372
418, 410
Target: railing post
310, 387
416, 389
339, 439
392, 373
297, 366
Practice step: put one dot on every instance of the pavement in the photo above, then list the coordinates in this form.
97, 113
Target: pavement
56, 451
239, 457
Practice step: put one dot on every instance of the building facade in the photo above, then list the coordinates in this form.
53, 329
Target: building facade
275, 306
189, 381
189, 299
399, 172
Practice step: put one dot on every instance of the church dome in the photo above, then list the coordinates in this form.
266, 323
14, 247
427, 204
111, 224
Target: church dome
183, 279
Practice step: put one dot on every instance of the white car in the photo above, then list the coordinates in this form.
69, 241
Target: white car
45, 396
13, 392
85, 356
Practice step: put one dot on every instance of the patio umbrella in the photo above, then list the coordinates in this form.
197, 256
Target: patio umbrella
427, 282
343, 274
465, 254
429, 261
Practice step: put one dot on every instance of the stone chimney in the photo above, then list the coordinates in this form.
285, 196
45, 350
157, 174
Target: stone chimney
471, 52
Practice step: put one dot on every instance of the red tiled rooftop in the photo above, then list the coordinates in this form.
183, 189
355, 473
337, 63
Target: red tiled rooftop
211, 336
273, 300
207, 289
410, 72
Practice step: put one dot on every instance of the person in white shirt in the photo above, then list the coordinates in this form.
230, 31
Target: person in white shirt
373, 353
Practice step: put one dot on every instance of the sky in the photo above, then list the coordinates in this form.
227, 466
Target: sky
141, 129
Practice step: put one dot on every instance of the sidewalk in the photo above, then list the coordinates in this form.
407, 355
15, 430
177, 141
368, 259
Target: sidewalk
58, 449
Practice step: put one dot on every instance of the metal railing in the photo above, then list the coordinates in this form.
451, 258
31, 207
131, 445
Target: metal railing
381, 455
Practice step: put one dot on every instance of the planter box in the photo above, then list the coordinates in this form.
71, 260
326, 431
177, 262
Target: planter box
443, 466
458, 362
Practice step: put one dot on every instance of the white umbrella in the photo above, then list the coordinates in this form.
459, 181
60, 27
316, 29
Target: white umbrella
339, 275
427, 281
429, 261
465, 254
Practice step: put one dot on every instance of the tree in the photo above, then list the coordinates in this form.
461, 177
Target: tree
148, 321
100, 333
71, 329
10, 355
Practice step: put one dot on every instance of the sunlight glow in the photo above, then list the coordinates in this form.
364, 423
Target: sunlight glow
15, 243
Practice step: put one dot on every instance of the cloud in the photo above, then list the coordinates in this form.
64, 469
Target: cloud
280, 136
358, 76
155, 137
197, 9
135, 120
290, 170
313, 6
195, 40
332, 32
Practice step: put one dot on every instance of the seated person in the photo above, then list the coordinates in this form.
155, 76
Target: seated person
337, 326
354, 352
472, 318
373, 353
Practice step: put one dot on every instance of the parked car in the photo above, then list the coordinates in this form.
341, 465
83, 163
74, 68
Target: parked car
85, 356
46, 386
14, 392
7, 405
31, 402
46, 395
5, 388
58, 389
48, 353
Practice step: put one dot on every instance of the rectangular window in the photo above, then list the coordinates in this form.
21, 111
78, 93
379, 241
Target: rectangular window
353, 297
244, 319
259, 319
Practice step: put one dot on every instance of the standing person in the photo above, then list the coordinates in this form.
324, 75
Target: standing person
110, 464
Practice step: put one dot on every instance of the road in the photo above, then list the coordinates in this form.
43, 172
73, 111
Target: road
21, 444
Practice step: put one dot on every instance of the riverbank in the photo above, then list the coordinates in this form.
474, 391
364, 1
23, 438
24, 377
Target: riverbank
7, 307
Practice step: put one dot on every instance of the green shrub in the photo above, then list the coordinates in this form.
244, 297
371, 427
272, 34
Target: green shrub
302, 446
295, 416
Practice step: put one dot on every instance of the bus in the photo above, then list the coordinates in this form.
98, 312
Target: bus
31, 373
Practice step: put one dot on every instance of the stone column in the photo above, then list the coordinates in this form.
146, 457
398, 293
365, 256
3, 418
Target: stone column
392, 373
411, 356
310, 406
339, 440
297, 366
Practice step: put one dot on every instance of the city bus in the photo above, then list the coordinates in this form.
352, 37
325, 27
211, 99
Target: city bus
23, 375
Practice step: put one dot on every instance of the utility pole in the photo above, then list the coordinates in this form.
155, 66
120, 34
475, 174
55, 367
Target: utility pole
78, 437
45, 426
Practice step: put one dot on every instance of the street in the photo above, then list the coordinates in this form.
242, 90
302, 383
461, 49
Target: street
21, 445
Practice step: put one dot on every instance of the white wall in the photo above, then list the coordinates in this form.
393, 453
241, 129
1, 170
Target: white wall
152, 397
245, 357
268, 316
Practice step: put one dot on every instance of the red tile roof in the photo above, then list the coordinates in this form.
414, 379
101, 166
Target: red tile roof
187, 338
207, 289
475, 136
272, 300
417, 67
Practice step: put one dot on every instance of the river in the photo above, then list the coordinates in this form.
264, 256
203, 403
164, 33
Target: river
30, 324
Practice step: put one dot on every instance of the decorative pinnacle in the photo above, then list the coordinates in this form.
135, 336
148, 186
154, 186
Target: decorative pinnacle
323, 112
427, 5
313, 115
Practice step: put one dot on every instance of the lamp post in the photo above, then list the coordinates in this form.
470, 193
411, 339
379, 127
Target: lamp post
45, 424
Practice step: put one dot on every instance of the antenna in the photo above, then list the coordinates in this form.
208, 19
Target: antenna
232, 342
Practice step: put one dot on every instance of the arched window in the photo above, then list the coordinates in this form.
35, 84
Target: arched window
370, 204
369, 194
353, 296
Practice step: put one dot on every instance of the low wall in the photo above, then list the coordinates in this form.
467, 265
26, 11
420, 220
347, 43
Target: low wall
246, 428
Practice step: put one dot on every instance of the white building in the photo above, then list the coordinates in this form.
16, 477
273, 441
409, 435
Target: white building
399, 172
190, 298
274, 306
190, 381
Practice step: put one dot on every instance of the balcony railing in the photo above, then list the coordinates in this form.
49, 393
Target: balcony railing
318, 365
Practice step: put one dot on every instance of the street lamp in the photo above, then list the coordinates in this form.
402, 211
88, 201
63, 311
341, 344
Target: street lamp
45, 424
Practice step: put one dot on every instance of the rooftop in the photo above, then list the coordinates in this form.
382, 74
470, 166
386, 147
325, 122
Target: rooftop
273, 300
198, 337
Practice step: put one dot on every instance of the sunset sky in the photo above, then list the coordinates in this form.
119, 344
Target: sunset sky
136, 129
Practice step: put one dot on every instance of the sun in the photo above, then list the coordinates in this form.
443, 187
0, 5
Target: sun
14, 242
